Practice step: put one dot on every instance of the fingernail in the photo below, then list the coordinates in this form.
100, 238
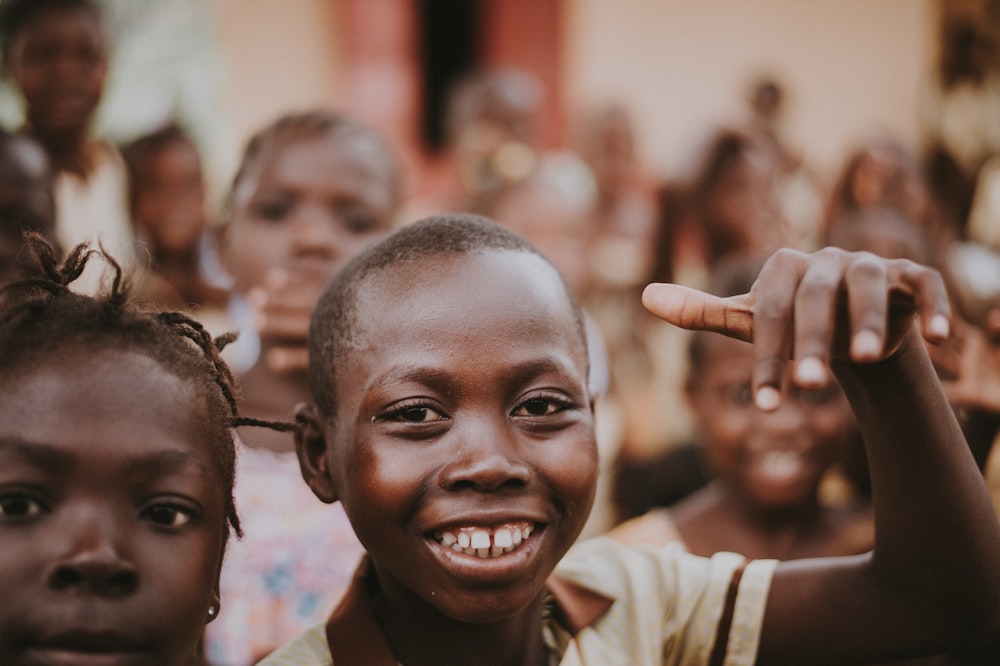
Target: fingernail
939, 326
767, 398
866, 344
810, 371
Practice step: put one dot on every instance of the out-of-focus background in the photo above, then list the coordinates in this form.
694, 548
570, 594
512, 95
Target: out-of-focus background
226, 67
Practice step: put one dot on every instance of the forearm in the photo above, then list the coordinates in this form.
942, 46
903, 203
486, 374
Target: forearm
937, 541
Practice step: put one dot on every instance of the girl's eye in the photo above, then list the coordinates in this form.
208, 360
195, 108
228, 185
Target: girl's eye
358, 220
273, 211
539, 407
822, 396
19, 507
166, 515
740, 395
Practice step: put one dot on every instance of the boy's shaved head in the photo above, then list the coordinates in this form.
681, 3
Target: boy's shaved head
334, 321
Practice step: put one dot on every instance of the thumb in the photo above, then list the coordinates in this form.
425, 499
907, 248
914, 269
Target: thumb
695, 310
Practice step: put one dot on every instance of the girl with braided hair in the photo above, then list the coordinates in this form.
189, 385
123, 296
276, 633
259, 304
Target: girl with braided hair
117, 459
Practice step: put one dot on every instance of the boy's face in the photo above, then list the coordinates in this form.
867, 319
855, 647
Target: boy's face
111, 512
169, 198
58, 62
773, 459
307, 206
463, 419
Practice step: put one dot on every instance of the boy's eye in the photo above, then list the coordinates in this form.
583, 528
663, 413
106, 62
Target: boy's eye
539, 407
167, 515
416, 414
18, 507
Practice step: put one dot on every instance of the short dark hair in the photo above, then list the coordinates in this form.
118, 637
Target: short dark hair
15, 14
334, 321
42, 314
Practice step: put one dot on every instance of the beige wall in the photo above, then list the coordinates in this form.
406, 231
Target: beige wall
851, 67
278, 56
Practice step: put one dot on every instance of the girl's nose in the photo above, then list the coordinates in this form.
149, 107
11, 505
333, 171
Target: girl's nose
315, 233
487, 460
93, 560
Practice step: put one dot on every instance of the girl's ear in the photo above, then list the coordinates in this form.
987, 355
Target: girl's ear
311, 447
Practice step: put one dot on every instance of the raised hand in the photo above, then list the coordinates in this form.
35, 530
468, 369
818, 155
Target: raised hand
813, 308
282, 311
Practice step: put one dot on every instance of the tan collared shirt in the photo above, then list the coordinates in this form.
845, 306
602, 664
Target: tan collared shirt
613, 604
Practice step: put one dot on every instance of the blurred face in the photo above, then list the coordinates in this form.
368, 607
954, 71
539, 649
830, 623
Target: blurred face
308, 206
743, 204
58, 61
169, 198
25, 203
773, 459
111, 513
462, 447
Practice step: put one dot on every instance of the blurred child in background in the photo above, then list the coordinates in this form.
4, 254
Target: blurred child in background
55, 52
167, 204
313, 189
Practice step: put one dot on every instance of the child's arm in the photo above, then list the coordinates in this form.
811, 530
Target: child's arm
933, 579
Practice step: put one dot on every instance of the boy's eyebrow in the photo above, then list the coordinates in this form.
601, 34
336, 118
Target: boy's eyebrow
40, 455
520, 372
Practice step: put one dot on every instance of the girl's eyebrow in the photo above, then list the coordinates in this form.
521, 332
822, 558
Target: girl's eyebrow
57, 459
44, 456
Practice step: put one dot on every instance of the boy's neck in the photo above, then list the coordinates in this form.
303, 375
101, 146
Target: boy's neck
421, 636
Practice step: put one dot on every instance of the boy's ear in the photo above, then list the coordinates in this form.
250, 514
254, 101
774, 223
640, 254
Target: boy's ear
311, 447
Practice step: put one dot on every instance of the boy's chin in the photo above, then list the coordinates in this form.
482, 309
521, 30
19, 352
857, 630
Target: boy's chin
481, 607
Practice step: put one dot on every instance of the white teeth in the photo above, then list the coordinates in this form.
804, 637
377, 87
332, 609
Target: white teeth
502, 538
480, 539
485, 542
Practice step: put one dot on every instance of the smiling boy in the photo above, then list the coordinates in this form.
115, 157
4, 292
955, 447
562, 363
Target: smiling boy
448, 368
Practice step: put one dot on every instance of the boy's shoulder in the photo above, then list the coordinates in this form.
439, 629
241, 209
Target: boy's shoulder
308, 649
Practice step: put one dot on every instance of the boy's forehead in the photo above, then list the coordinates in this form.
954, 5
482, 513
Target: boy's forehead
435, 283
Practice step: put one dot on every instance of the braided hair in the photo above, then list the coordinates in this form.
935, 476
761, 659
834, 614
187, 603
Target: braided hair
41, 313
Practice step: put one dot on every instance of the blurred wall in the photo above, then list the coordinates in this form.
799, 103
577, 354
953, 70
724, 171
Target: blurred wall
277, 57
849, 67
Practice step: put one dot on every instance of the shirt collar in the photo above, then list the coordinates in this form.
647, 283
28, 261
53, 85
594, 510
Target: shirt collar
355, 637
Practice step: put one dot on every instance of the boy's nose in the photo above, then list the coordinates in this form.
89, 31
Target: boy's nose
93, 561
486, 463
